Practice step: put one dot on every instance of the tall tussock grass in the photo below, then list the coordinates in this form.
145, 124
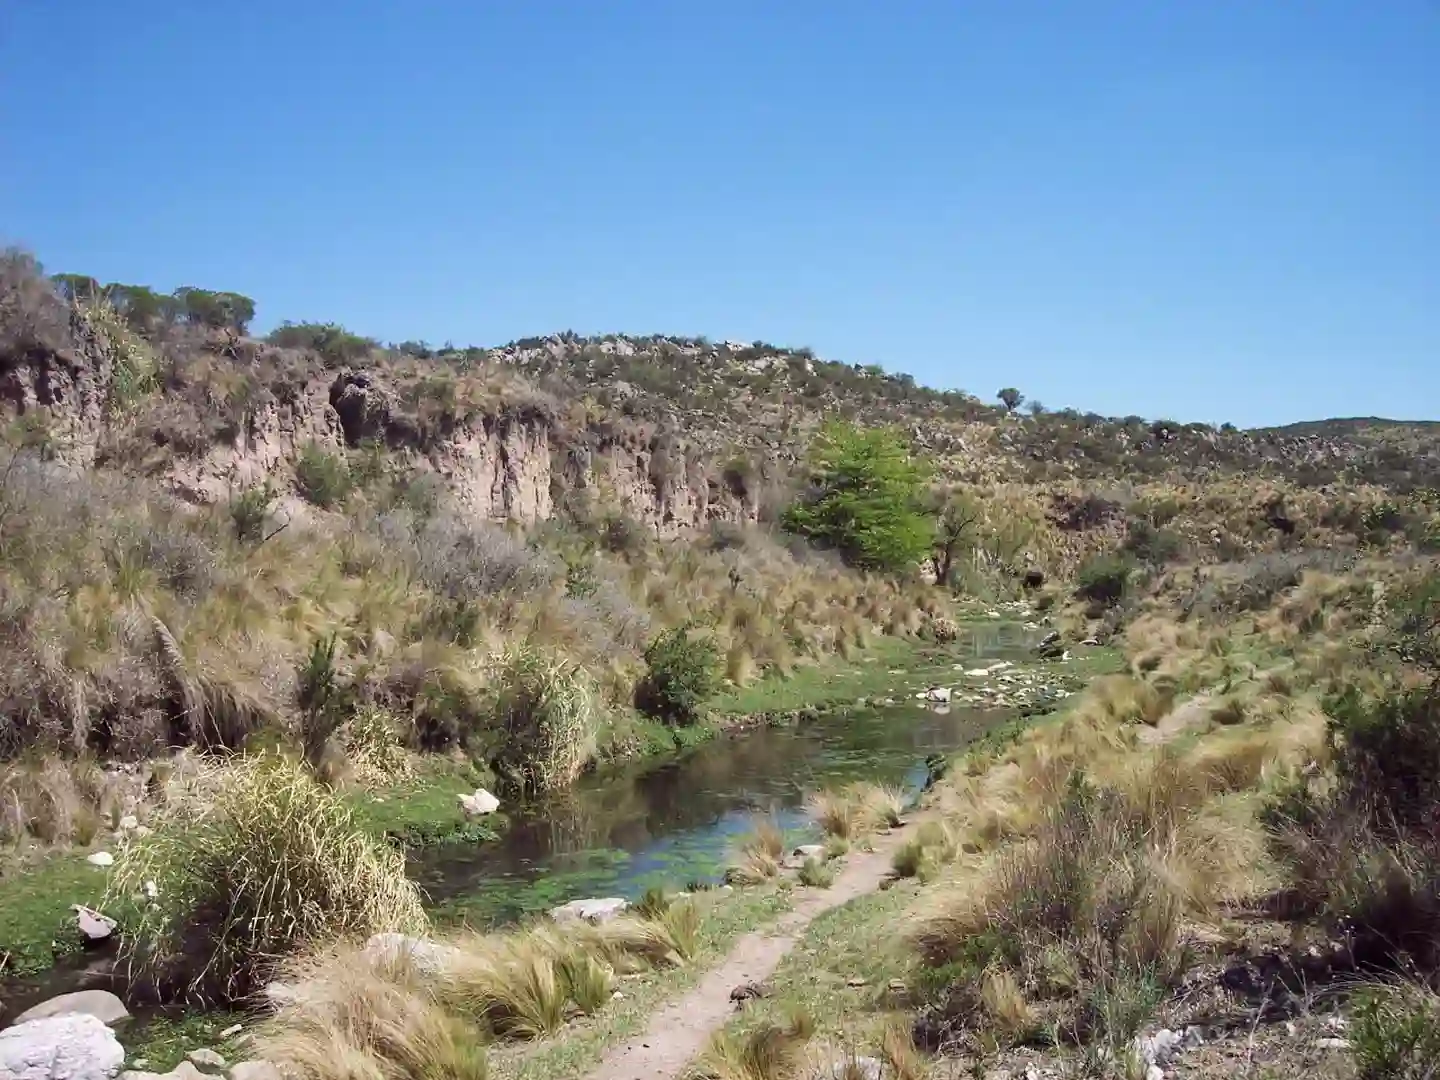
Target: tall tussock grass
546, 716
1073, 930
770, 1051
862, 807
758, 855
355, 1019
355, 1011
225, 889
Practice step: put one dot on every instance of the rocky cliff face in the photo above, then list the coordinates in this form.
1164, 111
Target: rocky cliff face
509, 462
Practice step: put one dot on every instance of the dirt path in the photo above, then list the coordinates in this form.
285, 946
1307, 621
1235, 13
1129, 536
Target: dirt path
680, 1030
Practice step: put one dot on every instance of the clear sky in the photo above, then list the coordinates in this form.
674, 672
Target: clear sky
1199, 209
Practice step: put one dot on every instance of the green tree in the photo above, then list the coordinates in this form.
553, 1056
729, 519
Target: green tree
865, 500
216, 310
1011, 398
956, 520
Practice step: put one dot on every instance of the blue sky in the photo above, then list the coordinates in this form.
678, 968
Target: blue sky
1200, 209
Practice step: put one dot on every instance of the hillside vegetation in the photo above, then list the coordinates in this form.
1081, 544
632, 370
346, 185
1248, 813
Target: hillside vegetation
240, 576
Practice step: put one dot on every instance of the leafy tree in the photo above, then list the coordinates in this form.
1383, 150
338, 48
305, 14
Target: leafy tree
680, 674
331, 340
865, 498
955, 518
1011, 398
216, 310
76, 286
142, 307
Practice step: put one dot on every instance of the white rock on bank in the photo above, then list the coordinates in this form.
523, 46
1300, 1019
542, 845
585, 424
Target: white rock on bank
101, 1004
810, 851
479, 804
206, 1058
186, 1070
73, 1046
100, 858
93, 926
427, 956
254, 1070
598, 910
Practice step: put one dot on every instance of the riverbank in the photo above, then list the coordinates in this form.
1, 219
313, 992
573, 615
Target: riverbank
36, 895
39, 886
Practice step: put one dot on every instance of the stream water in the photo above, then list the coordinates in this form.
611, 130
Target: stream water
667, 822
674, 822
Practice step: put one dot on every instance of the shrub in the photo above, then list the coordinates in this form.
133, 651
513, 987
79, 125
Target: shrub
32, 314
273, 862
1103, 580
681, 673
1152, 545
1388, 751
864, 500
1396, 1033
249, 512
324, 477
545, 708
1082, 923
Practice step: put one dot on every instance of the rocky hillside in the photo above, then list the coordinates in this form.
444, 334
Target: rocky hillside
675, 431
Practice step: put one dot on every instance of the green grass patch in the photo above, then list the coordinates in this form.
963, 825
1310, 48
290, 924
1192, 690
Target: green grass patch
579, 1047
891, 667
160, 1043
839, 973
427, 810
37, 926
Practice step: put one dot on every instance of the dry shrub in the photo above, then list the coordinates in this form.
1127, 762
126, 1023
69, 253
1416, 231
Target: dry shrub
758, 855
1076, 929
354, 1019
769, 1052
225, 890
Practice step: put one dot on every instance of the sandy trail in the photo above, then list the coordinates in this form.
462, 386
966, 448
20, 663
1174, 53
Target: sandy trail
679, 1031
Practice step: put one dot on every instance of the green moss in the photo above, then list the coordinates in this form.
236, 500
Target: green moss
36, 923
427, 810
891, 667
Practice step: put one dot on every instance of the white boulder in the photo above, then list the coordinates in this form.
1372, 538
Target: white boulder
426, 956
101, 1004
479, 804
72, 1046
93, 926
595, 910
100, 858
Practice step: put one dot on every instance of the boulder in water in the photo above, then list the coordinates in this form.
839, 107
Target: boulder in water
71, 1046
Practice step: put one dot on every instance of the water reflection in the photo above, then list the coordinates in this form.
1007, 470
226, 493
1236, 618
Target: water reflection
675, 821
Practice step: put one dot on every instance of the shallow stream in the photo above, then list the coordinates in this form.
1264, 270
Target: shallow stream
668, 821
